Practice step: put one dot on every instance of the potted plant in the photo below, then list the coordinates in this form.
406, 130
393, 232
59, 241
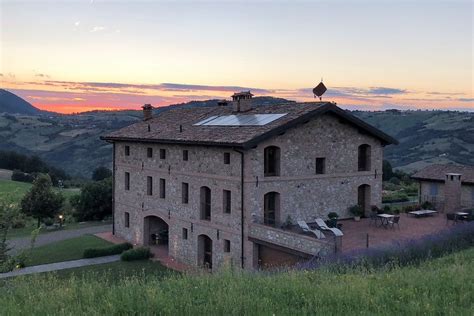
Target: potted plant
332, 222
357, 211
287, 224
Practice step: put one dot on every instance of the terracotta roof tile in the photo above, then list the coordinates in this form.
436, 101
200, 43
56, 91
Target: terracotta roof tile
177, 125
438, 173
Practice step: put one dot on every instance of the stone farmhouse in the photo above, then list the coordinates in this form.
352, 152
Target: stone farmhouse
226, 184
449, 188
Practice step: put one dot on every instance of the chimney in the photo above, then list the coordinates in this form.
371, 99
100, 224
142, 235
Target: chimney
147, 112
452, 192
222, 103
242, 101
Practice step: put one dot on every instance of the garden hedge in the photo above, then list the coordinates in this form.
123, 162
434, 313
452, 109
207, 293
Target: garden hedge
107, 251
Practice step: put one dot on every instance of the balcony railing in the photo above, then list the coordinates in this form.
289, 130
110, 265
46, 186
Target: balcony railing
288, 235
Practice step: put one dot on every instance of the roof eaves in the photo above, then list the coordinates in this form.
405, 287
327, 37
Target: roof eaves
371, 129
168, 141
282, 128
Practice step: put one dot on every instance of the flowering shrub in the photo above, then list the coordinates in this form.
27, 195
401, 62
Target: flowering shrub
401, 253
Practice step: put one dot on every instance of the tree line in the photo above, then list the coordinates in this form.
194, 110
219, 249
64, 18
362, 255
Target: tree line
25, 167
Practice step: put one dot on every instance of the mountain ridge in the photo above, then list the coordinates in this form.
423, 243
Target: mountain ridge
13, 104
72, 142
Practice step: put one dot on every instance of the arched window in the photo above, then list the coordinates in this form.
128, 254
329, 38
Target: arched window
364, 157
271, 161
271, 209
205, 196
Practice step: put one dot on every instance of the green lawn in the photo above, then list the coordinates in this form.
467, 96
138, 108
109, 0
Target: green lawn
69, 249
15, 190
116, 271
444, 286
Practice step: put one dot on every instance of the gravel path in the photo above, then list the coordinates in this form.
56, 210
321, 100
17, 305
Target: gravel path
60, 266
47, 238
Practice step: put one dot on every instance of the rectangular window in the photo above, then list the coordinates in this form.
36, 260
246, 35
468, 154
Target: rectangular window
472, 194
149, 152
127, 150
226, 245
227, 158
149, 185
162, 188
162, 153
127, 219
185, 155
185, 233
433, 189
127, 181
320, 165
227, 201
185, 192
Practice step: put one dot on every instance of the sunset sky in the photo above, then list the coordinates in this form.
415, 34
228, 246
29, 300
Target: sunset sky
71, 56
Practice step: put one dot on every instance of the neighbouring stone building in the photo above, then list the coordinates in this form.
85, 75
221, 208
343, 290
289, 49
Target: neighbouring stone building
219, 183
448, 187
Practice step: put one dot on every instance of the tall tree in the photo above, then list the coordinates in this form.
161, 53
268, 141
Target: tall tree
101, 173
41, 201
95, 201
387, 171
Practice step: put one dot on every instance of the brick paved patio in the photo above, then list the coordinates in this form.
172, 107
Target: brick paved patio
355, 233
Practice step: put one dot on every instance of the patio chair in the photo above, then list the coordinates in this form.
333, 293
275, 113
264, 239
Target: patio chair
319, 234
322, 225
373, 218
394, 221
451, 217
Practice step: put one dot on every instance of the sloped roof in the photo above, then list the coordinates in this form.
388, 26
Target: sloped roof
177, 125
438, 173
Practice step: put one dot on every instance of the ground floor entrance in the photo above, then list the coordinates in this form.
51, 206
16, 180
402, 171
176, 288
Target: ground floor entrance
205, 251
156, 232
270, 256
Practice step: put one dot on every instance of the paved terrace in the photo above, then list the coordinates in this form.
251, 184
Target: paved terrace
355, 233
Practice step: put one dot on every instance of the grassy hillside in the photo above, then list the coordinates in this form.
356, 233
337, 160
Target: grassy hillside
14, 190
72, 142
443, 286
426, 137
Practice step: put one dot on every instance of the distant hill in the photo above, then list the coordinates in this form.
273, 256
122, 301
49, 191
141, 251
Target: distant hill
13, 104
72, 142
426, 137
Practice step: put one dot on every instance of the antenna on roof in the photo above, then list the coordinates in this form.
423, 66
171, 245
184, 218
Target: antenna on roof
319, 90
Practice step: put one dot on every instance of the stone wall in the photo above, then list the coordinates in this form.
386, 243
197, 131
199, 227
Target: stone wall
287, 239
304, 195
205, 167
467, 194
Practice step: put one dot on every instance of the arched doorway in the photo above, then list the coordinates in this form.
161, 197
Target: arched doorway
363, 197
205, 251
271, 208
155, 231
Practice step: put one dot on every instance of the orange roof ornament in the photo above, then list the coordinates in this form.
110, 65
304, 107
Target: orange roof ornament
319, 90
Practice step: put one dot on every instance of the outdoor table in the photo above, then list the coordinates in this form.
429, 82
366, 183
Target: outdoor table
384, 219
461, 215
421, 213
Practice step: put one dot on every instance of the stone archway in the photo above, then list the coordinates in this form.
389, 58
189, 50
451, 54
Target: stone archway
205, 251
363, 197
155, 232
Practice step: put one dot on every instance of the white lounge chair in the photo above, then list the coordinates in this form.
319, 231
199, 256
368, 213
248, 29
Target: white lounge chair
322, 224
319, 234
